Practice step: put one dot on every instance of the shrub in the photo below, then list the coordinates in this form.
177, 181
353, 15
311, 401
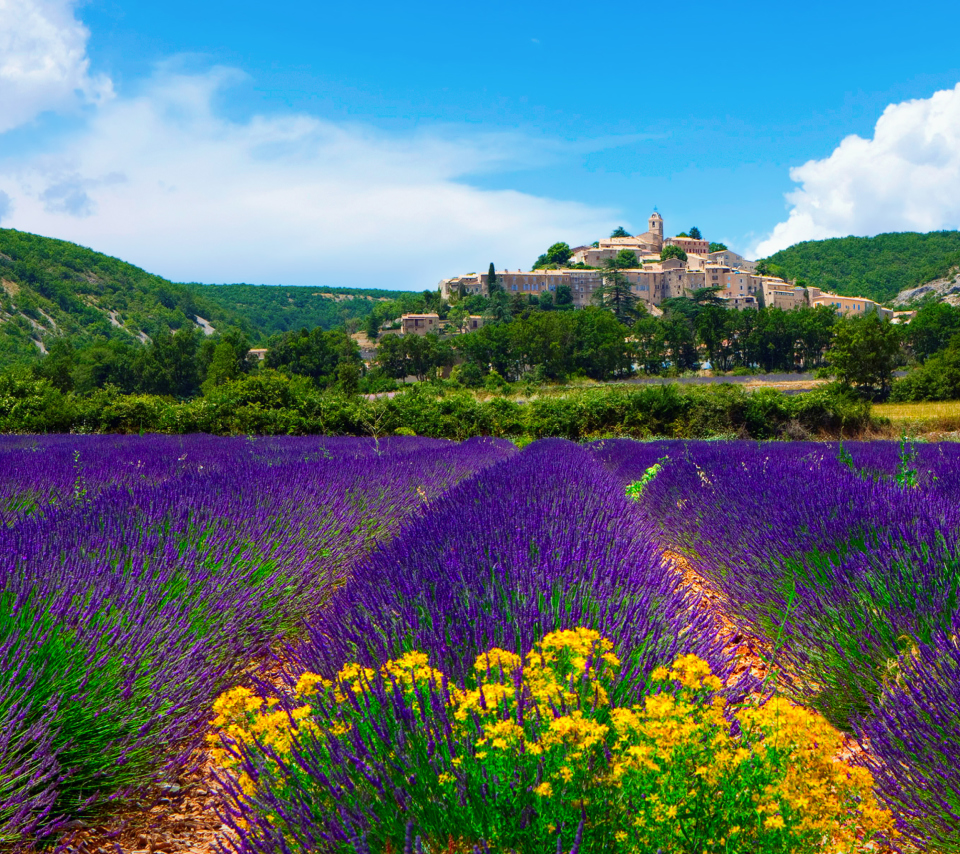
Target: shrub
139, 578
913, 734
531, 755
541, 542
937, 379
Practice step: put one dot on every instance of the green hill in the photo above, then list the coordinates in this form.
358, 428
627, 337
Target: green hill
51, 288
280, 308
874, 267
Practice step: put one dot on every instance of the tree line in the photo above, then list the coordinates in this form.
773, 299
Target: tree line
541, 339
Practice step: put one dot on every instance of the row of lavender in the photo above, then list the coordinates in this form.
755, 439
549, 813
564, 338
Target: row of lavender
847, 560
543, 542
140, 576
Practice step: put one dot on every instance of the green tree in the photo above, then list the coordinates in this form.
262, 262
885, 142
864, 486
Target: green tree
718, 247
107, 363
556, 255
680, 342
315, 353
564, 297
458, 316
348, 377
169, 365
936, 379
392, 356
493, 280
707, 296
223, 367
863, 354
58, 365
814, 332
711, 329
224, 358
601, 350
931, 330
518, 305
372, 326
626, 259
619, 231
650, 349
498, 310
672, 252
616, 294
695, 233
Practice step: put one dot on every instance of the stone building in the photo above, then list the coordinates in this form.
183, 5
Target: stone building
419, 324
733, 276
690, 245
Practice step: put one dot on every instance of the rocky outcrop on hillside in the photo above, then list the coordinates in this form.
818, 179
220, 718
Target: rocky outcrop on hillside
943, 290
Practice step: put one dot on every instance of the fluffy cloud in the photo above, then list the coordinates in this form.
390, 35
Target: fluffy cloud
43, 61
907, 178
163, 180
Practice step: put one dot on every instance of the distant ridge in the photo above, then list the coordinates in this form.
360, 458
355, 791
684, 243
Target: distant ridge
280, 308
874, 267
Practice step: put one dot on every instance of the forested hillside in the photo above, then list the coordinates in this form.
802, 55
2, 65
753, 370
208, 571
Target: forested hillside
874, 267
51, 289
270, 309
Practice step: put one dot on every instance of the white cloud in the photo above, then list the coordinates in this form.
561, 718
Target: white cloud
43, 61
907, 178
162, 180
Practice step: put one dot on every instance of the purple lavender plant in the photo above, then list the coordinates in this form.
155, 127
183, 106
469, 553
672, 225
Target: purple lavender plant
831, 566
147, 574
913, 739
542, 542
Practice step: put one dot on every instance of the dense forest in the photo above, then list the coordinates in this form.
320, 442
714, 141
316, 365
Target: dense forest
268, 309
874, 267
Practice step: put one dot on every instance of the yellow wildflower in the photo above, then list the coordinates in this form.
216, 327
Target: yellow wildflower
496, 659
308, 683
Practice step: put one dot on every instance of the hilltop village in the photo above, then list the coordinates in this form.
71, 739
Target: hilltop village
655, 273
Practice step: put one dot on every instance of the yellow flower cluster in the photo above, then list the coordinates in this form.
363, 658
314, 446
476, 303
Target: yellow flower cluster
244, 718
673, 757
681, 733
411, 671
691, 672
690, 740
816, 786
351, 678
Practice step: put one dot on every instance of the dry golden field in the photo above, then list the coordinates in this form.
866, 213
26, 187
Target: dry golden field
918, 411
921, 418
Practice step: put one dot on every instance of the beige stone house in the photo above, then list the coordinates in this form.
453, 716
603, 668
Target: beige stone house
419, 324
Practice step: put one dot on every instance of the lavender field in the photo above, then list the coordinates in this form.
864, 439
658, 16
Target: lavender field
420, 645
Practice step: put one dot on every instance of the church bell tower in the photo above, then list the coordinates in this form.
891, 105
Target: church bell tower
655, 226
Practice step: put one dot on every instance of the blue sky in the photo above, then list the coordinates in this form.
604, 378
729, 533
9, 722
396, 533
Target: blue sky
393, 144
